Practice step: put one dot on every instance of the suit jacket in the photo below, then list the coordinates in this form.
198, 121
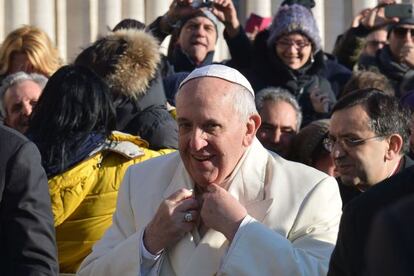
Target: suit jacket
27, 234
295, 211
390, 249
348, 256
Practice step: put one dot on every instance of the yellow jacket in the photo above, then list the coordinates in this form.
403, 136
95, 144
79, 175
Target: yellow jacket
84, 197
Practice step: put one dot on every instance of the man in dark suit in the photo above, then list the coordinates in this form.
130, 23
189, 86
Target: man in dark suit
390, 249
27, 235
356, 221
368, 139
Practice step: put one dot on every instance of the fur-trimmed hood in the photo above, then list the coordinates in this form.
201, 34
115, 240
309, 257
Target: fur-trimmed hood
127, 60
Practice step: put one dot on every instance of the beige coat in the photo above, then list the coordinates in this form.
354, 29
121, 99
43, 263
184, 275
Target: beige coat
295, 214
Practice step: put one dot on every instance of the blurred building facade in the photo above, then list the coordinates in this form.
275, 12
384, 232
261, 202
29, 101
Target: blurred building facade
74, 24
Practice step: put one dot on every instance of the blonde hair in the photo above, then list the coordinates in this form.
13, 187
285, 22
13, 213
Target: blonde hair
36, 44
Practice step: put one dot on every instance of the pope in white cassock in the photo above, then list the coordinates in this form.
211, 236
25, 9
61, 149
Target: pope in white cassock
223, 204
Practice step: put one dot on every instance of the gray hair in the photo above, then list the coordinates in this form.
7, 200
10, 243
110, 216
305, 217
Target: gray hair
243, 102
17, 78
276, 94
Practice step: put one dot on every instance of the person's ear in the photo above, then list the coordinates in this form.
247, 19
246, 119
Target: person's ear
395, 145
252, 125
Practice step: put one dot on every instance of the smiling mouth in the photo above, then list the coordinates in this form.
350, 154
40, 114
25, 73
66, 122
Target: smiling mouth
201, 158
197, 43
293, 58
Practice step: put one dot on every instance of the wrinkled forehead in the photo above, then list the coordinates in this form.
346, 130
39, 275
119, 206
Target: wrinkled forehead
199, 20
205, 91
24, 89
352, 119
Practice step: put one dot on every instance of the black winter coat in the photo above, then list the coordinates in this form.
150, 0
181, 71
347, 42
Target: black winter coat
390, 249
268, 70
148, 117
348, 255
128, 60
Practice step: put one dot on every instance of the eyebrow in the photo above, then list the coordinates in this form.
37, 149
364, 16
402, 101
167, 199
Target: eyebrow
182, 120
211, 121
194, 22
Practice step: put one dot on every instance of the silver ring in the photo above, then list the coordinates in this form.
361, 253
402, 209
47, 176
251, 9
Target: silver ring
188, 217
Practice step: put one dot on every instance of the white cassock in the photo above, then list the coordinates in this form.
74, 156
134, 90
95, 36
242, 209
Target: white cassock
294, 212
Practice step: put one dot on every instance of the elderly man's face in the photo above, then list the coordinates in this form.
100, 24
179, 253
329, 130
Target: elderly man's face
375, 40
361, 164
279, 126
400, 36
197, 38
19, 101
212, 137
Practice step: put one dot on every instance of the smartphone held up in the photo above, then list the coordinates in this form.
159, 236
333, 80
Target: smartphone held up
399, 10
196, 4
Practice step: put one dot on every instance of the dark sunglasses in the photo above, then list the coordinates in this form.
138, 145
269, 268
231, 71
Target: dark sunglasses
402, 32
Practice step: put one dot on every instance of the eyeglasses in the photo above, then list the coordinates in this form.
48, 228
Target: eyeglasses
298, 44
402, 32
346, 142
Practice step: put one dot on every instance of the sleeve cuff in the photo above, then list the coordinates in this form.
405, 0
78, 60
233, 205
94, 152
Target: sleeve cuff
247, 219
245, 222
148, 256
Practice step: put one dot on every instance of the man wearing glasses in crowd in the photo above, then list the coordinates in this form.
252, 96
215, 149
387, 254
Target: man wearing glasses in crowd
368, 137
375, 41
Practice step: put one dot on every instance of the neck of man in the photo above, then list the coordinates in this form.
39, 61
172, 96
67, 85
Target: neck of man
393, 167
396, 166
197, 61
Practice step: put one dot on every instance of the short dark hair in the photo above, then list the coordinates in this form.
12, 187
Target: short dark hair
74, 104
129, 23
387, 115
